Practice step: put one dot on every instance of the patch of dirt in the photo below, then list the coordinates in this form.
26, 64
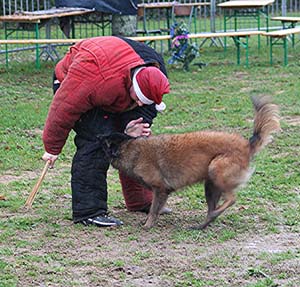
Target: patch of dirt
275, 243
90, 258
31, 175
34, 132
293, 121
55, 252
219, 109
241, 75
8, 178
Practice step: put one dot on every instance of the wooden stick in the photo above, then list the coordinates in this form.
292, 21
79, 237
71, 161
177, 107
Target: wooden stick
35, 189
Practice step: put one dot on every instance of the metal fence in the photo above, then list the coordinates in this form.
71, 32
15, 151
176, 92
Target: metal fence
207, 18
212, 19
9, 7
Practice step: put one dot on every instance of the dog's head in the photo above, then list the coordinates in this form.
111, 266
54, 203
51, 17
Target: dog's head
111, 143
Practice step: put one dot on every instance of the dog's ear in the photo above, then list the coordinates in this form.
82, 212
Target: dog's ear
117, 138
111, 142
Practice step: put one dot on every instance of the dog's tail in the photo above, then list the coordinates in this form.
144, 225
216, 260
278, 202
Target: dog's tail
266, 122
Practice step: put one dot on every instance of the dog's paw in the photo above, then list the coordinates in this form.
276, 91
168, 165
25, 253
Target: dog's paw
199, 226
147, 226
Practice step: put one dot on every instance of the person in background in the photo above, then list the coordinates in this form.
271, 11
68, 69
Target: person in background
103, 85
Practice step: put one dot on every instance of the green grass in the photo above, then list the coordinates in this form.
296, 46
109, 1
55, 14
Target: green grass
43, 247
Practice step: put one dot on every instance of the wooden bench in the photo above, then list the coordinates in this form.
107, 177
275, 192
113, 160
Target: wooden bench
279, 38
236, 36
287, 23
240, 38
287, 20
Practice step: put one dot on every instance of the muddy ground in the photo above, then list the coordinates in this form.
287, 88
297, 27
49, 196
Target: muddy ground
54, 252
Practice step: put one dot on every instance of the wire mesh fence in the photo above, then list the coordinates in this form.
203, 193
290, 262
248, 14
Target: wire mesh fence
206, 17
10, 7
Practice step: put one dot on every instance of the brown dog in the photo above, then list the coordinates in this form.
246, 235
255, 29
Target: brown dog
166, 163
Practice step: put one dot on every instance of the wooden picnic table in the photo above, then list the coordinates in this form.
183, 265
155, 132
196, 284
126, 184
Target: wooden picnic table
287, 23
33, 20
170, 8
290, 20
247, 4
247, 8
280, 37
39, 16
171, 4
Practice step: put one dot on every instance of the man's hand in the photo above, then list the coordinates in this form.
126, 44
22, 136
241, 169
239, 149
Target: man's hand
136, 128
48, 156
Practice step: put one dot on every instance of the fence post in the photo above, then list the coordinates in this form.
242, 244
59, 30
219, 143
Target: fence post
283, 8
213, 16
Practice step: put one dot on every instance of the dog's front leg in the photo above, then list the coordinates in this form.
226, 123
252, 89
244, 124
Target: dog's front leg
159, 199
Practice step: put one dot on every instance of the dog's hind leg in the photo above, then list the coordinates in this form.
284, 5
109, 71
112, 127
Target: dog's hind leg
212, 195
229, 199
225, 175
159, 199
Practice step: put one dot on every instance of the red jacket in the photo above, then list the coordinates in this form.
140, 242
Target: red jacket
95, 73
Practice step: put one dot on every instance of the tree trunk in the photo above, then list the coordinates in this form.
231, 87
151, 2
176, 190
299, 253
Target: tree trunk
124, 25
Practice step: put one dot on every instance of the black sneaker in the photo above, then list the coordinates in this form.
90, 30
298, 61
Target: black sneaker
102, 220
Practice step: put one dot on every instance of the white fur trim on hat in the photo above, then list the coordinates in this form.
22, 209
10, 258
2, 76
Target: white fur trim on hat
137, 89
161, 107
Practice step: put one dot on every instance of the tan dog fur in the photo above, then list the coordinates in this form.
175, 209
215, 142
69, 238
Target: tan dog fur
166, 163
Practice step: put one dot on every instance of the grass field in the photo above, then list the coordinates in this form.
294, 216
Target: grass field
255, 243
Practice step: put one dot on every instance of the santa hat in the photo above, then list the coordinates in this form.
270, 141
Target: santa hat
150, 84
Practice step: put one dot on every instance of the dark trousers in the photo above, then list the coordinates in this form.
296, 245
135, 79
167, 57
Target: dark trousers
90, 163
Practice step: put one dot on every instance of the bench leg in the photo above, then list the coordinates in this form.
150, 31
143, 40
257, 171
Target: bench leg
291, 25
280, 41
37, 47
271, 51
238, 44
258, 27
285, 50
238, 50
6, 46
247, 51
225, 40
